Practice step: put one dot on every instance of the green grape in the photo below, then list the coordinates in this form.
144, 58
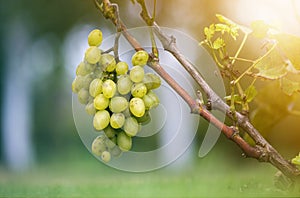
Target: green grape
124, 141
140, 58
95, 38
145, 119
95, 87
87, 81
81, 70
98, 73
77, 84
154, 98
101, 102
121, 68
105, 156
92, 55
137, 74
114, 139
109, 88
109, 144
152, 81
109, 132
116, 151
90, 109
117, 120
118, 104
108, 62
98, 146
89, 67
131, 126
138, 90
148, 101
137, 107
124, 84
126, 112
83, 96
101, 120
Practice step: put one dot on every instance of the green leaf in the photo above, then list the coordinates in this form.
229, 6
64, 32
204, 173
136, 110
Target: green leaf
260, 29
289, 87
296, 160
250, 93
290, 45
209, 32
233, 27
218, 43
272, 66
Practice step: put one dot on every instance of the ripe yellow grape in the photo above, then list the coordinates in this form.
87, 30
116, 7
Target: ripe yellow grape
124, 141
95, 87
137, 74
140, 58
109, 88
137, 107
101, 120
95, 38
121, 68
92, 55
105, 156
101, 102
108, 62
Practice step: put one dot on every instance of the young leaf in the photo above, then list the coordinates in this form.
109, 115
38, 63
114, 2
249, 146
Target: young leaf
250, 93
272, 66
296, 160
237, 99
218, 43
209, 32
260, 29
289, 87
290, 45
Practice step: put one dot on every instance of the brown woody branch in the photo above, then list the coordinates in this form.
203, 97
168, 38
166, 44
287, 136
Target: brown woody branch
263, 151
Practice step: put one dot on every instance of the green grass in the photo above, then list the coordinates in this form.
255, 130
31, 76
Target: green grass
82, 175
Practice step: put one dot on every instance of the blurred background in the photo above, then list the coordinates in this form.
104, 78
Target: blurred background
39, 46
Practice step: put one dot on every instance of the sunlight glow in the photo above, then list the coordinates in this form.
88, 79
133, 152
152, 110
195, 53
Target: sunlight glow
279, 13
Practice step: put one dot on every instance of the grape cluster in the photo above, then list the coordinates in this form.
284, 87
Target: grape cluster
119, 99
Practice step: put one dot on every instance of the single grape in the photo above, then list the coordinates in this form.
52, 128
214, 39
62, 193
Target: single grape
137, 107
77, 84
148, 101
152, 81
131, 126
124, 84
95, 38
145, 119
118, 104
138, 90
95, 87
108, 62
121, 68
105, 156
98, 73
83, 96
154, 98
81, 70
124, 141
137, 74
109, 132
117, 120
101, 102
116, 151
140, 58
98, 146
92, 55
114, 139
90, 109
87, 81
109, 88
101, 120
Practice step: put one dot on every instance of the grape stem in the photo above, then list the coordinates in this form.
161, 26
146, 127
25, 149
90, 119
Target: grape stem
262, 151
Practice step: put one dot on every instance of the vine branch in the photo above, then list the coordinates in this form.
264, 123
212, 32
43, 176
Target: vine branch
262, 151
